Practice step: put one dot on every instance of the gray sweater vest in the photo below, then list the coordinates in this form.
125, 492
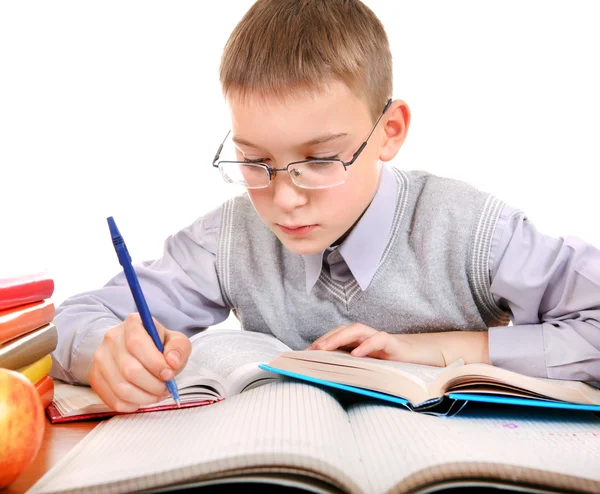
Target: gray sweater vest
433, 275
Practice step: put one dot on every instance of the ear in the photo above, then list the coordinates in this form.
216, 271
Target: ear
395, 128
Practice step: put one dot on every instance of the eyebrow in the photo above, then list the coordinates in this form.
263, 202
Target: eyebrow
317, 140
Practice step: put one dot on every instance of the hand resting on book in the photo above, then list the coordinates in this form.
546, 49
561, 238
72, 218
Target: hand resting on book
128, 370
438, 349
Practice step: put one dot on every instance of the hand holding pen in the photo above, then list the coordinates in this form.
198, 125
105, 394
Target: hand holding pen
128, 368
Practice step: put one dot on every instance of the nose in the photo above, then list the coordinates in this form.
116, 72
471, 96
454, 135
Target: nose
286, 195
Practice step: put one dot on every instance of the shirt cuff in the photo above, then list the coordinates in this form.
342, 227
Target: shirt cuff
519, 349
77, 368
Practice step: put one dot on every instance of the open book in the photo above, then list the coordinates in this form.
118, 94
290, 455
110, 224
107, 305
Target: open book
223, 363
421, 387
295, 434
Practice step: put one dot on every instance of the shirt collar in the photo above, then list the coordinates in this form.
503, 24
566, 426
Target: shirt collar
363, 247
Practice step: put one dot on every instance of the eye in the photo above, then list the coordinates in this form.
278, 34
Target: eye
336, 157
257, 160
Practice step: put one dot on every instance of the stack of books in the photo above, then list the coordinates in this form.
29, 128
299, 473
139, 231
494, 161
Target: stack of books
27, 335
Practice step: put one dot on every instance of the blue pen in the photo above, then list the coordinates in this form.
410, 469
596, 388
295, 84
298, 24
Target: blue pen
138, 296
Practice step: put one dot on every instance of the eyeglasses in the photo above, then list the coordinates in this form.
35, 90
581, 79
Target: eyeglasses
307, 174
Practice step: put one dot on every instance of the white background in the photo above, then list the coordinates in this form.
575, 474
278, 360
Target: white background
114, 108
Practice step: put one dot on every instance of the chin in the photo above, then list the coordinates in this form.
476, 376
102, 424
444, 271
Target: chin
304, 246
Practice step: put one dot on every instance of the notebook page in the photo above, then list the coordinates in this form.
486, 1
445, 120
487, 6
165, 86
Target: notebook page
282, 424
395, 443
234, 355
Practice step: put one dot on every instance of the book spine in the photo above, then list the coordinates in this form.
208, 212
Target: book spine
38, 370
25, 290
23, 319
45, 388
28, 348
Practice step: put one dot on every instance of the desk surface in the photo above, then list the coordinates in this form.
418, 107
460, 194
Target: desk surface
58, 440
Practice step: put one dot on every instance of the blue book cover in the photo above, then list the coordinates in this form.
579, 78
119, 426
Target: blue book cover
345, 387
513, 400
459, 397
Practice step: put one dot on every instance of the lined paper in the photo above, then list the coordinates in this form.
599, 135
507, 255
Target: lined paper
291, 427
560, 441
283, 424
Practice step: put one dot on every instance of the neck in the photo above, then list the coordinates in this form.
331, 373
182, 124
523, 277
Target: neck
345, 235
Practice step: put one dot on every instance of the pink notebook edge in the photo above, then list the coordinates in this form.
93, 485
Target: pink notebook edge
55, 416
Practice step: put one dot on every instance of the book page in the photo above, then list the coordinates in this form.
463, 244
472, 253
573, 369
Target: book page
422, 374
288, 426
217, 356
403, 379
558, 441
460, 378
71, 400
234, 355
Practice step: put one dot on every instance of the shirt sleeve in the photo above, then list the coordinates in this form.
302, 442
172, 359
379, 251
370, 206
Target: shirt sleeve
181, 288
551, 289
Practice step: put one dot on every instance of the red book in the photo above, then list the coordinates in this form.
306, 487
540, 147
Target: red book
22, 319
25, 289
45, 388
56, 417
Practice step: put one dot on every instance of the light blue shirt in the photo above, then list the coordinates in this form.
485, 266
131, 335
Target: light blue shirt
535, 277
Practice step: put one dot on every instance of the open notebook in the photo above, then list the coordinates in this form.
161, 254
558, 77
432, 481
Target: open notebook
299, 434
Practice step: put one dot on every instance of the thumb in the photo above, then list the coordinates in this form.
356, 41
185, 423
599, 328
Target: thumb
177, 349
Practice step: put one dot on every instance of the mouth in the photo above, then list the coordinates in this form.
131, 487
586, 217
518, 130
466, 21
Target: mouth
296, 230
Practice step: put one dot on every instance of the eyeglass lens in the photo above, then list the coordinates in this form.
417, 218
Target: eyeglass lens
309, 175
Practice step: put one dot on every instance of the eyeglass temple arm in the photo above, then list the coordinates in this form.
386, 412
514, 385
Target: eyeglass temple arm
362, 146
216, 158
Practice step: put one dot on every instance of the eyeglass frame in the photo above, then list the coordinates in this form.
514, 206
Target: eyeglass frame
272, 171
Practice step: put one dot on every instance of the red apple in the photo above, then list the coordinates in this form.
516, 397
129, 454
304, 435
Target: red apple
21, 425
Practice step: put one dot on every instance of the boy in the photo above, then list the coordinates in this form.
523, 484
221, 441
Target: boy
332, 247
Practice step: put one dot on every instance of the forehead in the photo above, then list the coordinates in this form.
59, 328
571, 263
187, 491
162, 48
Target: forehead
298, 116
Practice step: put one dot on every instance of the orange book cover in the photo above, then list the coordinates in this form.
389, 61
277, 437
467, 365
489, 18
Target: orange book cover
22, 319
24, 289
45, 388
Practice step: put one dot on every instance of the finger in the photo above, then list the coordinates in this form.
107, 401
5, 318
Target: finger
103, 390
134, 372
319, 341
377, 346
127, 355
139, 344
351, 336
124, 390
177, 350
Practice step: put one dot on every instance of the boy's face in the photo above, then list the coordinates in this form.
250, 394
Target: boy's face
279, 132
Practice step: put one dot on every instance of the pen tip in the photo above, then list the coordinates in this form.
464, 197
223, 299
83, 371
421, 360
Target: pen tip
178, 401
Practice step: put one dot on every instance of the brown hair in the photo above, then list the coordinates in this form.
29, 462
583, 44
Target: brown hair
284, 45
